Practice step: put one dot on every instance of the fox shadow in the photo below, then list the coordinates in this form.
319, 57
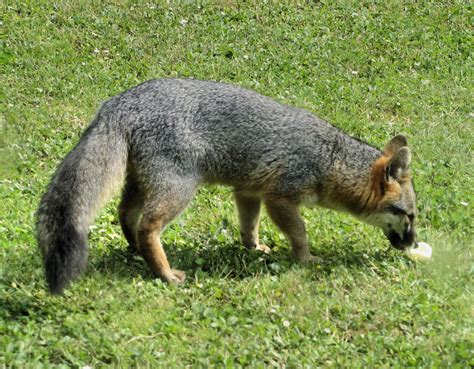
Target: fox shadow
232, 260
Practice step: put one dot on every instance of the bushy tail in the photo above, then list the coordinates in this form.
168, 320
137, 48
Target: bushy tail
85, 179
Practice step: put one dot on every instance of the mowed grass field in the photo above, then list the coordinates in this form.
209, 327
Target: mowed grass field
374, 69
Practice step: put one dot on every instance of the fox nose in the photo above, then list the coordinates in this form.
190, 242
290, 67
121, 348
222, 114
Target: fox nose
409, 236
401, 242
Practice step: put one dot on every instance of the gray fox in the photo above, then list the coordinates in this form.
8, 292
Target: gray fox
163, 138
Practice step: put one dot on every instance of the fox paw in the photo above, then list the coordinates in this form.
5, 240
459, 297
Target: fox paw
263, 248
174, 276
309, 259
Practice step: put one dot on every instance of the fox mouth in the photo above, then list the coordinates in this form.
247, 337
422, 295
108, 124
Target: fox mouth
400, 242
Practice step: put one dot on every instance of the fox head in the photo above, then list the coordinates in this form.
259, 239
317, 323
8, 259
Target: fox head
394, 203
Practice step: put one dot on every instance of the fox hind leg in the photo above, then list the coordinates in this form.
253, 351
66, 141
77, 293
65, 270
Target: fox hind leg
248, 207
166, 203
130, 209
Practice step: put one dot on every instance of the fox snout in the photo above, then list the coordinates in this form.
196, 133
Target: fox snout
402, 241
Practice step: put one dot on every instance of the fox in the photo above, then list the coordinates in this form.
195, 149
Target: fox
161, 140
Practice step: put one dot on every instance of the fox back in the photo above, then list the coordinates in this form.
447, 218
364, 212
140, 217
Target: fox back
230, 135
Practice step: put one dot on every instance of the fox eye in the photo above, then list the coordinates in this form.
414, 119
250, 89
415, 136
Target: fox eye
395, 210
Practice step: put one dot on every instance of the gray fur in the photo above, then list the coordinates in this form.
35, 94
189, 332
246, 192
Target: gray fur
171, 135
225, 134
85, 179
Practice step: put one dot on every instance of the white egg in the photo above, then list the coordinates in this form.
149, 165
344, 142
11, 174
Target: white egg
421, 251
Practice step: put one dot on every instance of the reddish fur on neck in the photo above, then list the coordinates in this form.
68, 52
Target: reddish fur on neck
379, 190
367, 195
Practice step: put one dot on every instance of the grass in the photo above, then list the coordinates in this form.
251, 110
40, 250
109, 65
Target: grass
372, 68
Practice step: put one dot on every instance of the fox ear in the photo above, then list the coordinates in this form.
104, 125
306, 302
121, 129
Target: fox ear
395, 144
398, 164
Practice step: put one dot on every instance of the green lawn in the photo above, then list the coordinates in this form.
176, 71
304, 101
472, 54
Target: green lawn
372, 68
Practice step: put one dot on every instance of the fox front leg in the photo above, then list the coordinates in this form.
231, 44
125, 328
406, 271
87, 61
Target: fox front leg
286, 216
248, 207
